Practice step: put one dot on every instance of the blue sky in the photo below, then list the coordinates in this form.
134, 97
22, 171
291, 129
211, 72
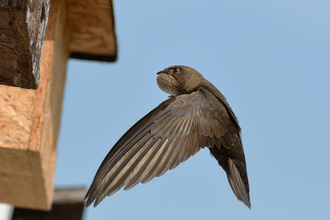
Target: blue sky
271, 60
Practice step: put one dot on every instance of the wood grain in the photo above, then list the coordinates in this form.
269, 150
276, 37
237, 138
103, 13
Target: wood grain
22, 29
30, 120
92, 29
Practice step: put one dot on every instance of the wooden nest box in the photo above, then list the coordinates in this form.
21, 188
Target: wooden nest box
36, 39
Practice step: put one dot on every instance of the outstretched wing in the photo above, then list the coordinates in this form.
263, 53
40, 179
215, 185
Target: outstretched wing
164, 138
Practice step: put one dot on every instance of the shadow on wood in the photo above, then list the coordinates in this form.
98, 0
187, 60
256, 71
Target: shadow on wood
22, 30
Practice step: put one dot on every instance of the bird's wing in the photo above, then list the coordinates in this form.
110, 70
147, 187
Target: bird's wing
167, 136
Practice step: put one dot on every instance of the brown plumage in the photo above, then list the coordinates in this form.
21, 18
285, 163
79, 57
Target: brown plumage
195, 116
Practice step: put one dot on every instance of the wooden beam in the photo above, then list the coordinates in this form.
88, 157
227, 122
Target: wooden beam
92, 30
30, 120
67, 204
22, 29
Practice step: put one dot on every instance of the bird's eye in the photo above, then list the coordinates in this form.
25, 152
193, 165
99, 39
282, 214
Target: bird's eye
176, 69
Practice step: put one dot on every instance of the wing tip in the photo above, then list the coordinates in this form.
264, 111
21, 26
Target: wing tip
88, 202
91, 198
91, 201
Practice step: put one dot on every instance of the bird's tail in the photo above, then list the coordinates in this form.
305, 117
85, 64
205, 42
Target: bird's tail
237, 183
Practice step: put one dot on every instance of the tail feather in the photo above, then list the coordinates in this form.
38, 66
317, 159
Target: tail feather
237, 184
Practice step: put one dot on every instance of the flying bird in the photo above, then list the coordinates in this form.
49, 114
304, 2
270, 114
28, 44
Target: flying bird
196, 115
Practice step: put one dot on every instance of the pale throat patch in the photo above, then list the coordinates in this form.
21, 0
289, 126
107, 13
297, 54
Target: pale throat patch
168, 84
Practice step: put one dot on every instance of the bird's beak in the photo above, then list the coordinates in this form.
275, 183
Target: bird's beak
160, 72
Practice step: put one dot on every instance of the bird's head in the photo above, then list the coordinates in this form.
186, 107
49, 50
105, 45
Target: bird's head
177, 80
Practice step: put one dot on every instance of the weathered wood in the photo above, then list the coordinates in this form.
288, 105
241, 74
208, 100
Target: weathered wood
92, 30
29, 123
68, 204
30, 119
22, 29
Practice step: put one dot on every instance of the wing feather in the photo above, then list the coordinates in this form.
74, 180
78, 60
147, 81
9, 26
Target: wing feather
157, 164
143, 166
177, 129
154, 164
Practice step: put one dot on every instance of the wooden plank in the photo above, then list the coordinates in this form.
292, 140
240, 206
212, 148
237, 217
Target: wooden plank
22, 29
30, 120
67, 204
92, 30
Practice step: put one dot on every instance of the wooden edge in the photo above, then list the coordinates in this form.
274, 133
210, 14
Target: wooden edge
84, 56
30, 124
69, 195
93, 30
